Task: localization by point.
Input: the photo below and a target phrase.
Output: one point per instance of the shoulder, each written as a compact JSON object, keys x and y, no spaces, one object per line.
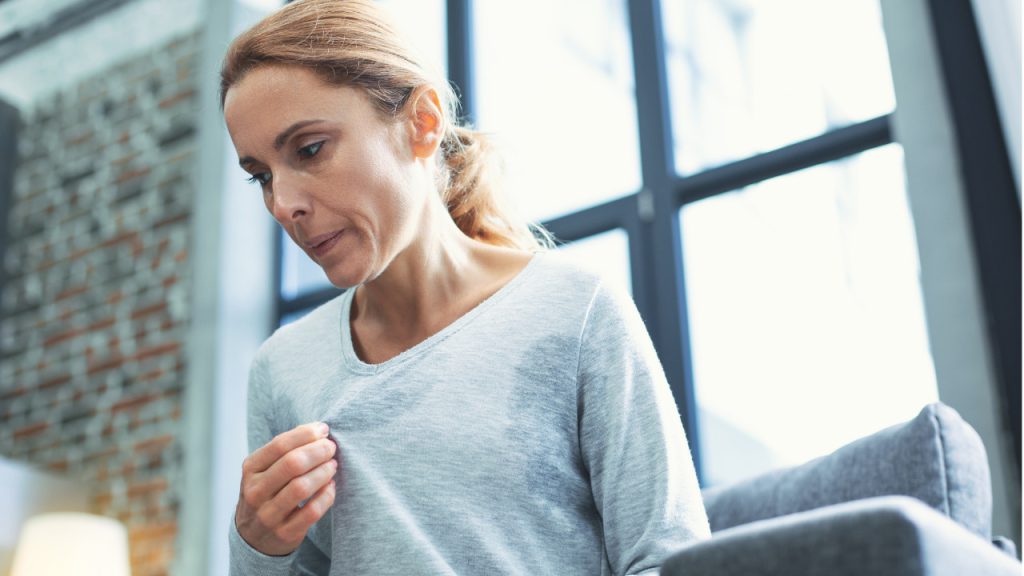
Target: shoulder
{"x":585,"y":284}
{"x":310,"y":334}
{"x":561,"y":292}
{"x":555,"y":272}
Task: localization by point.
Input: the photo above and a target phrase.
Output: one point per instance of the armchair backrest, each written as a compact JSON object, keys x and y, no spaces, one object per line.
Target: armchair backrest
{"x":936,"y":457}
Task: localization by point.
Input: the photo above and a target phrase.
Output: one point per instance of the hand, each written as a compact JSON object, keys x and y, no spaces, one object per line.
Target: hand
{"x":295,"y":466}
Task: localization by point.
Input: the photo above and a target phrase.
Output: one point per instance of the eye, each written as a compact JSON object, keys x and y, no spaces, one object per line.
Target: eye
{"x":261,"y":178}
{"x":309,"y":151}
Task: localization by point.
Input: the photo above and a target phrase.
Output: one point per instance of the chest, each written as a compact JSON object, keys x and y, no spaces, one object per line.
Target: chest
{"x":458,"y":410}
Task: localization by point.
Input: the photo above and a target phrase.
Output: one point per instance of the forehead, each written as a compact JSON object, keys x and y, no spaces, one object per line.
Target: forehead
{"x":272,"y":97}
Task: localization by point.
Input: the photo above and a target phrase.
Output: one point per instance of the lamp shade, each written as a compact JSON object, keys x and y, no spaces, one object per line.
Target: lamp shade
{"x":72,"y":544}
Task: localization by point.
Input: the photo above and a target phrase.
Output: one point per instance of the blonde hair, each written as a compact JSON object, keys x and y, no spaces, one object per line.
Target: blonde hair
{"x":351,"y":43}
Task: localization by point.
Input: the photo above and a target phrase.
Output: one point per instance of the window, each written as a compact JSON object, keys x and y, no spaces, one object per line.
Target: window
{"x":560,"y":105}
{"x":804,"y":316}
{"x":744,"y":80}
{"x":805,"y":313}
{"x":743,"y":186}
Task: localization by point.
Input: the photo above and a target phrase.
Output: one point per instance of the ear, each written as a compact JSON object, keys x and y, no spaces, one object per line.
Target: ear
{"x":426,"y":121}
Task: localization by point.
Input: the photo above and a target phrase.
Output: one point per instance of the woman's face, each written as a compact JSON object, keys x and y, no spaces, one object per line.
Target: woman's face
{"x":341,"y":181}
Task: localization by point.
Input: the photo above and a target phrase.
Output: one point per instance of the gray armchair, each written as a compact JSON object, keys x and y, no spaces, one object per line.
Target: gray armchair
{"x":913,"y":499}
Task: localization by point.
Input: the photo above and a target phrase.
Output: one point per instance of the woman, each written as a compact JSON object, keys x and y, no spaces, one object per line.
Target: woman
{"x":477,"y":406}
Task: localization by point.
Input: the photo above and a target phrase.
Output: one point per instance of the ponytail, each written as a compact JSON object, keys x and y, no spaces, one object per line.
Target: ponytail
{"x":471,"y":192}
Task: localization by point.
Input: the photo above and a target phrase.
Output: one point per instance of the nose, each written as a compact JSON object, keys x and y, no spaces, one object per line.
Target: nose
{"x":290,"y":201}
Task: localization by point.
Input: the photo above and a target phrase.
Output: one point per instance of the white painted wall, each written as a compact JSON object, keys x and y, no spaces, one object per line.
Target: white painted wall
{"x":949,"y":280}
{"x":999,"y":23}
{"x":233,"y":294}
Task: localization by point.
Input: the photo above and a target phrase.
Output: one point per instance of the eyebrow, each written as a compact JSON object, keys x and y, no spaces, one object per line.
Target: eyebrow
{"x":281,"y":138}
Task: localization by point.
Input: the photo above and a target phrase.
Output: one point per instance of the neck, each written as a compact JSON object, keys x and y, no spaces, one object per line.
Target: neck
{"x":419,"y":288}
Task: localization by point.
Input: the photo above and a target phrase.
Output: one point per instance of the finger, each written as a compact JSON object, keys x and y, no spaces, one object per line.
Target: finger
{"x":303,"y":518}
{"x":301,"y":460}
{"x":265,"y":456}
{"x":303,"y":488}
{"x":264,"y":486}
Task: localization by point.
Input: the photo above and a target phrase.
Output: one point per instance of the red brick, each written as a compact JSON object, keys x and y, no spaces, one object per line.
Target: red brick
{"x":159,"y":350}
{"x":115,"y":297}
{"x":102,"y":454}
{"x":170,"y":220}
{"x":80,"y":139}
{"x":103,"y":500}
{"x":101,"y":324}
{"x":65,"y":335}
{"x":53,"y":382}
{"x":13,"y":393}
{"x":127,"y":470}
{"x":70,"y":292}
{"x":137,"y":489}
{"x":154,"y":444}
{"x":124,"y":159}
{"x":134,"y":402}
{"x":120,"y":238}
{"x":30,"y":430}
{"x":115,"y":361}
{"x":153,"y":531}
{"x":131,"y":175}
{"x":150,"y":376}
{"x":78,"y":254}
{"x":146,"y":311}
{"x":58,"y":465}
{"x":172,"y":100}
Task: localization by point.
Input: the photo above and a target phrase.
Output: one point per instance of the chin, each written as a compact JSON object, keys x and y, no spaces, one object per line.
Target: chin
{"x":346,"y":276}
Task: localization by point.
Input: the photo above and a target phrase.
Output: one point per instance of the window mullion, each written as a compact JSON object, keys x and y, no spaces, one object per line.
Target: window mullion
{"x":658,"y":237}
{"x":460,"y":55}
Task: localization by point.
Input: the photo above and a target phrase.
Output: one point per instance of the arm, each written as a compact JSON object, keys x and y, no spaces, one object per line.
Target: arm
{"x":282,"y":451}
{"x":633,"y":443}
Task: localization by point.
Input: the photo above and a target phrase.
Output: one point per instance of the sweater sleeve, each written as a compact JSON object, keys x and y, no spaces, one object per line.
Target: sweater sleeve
{"x":307,"y":559}
{"x":632,"y":441}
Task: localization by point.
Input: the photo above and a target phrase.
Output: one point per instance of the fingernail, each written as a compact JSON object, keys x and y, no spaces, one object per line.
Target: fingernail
{"x":324,"y":429}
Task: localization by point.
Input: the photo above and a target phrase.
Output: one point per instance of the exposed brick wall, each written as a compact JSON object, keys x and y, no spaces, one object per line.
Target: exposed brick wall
{"x":95,"y":309}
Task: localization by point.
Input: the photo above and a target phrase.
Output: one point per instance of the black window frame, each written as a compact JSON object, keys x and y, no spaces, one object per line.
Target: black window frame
{"x":650,"y":216}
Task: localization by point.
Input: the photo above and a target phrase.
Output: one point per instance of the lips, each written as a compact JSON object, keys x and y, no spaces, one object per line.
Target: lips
{"x":321,"y":244}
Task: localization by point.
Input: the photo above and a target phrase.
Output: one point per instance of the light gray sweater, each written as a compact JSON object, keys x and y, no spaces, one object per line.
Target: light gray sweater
{"x":534,"y":435}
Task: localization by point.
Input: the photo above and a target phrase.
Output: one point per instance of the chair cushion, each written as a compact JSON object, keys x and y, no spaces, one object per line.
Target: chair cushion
{"x":936,"y":458}
{"x":887,"y":536}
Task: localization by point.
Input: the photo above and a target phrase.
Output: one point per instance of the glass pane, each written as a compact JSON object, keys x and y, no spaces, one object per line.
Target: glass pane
{"x":754,"y":75}
{"x":555,"y":88}
{"x":423,"y":24}
{"x":807,"y":326}
{"x":607,"y":254}
{"x":299,"y":274}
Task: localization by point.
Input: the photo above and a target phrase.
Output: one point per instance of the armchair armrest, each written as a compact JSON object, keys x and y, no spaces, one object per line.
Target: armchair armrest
{"x":886,"y":536}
